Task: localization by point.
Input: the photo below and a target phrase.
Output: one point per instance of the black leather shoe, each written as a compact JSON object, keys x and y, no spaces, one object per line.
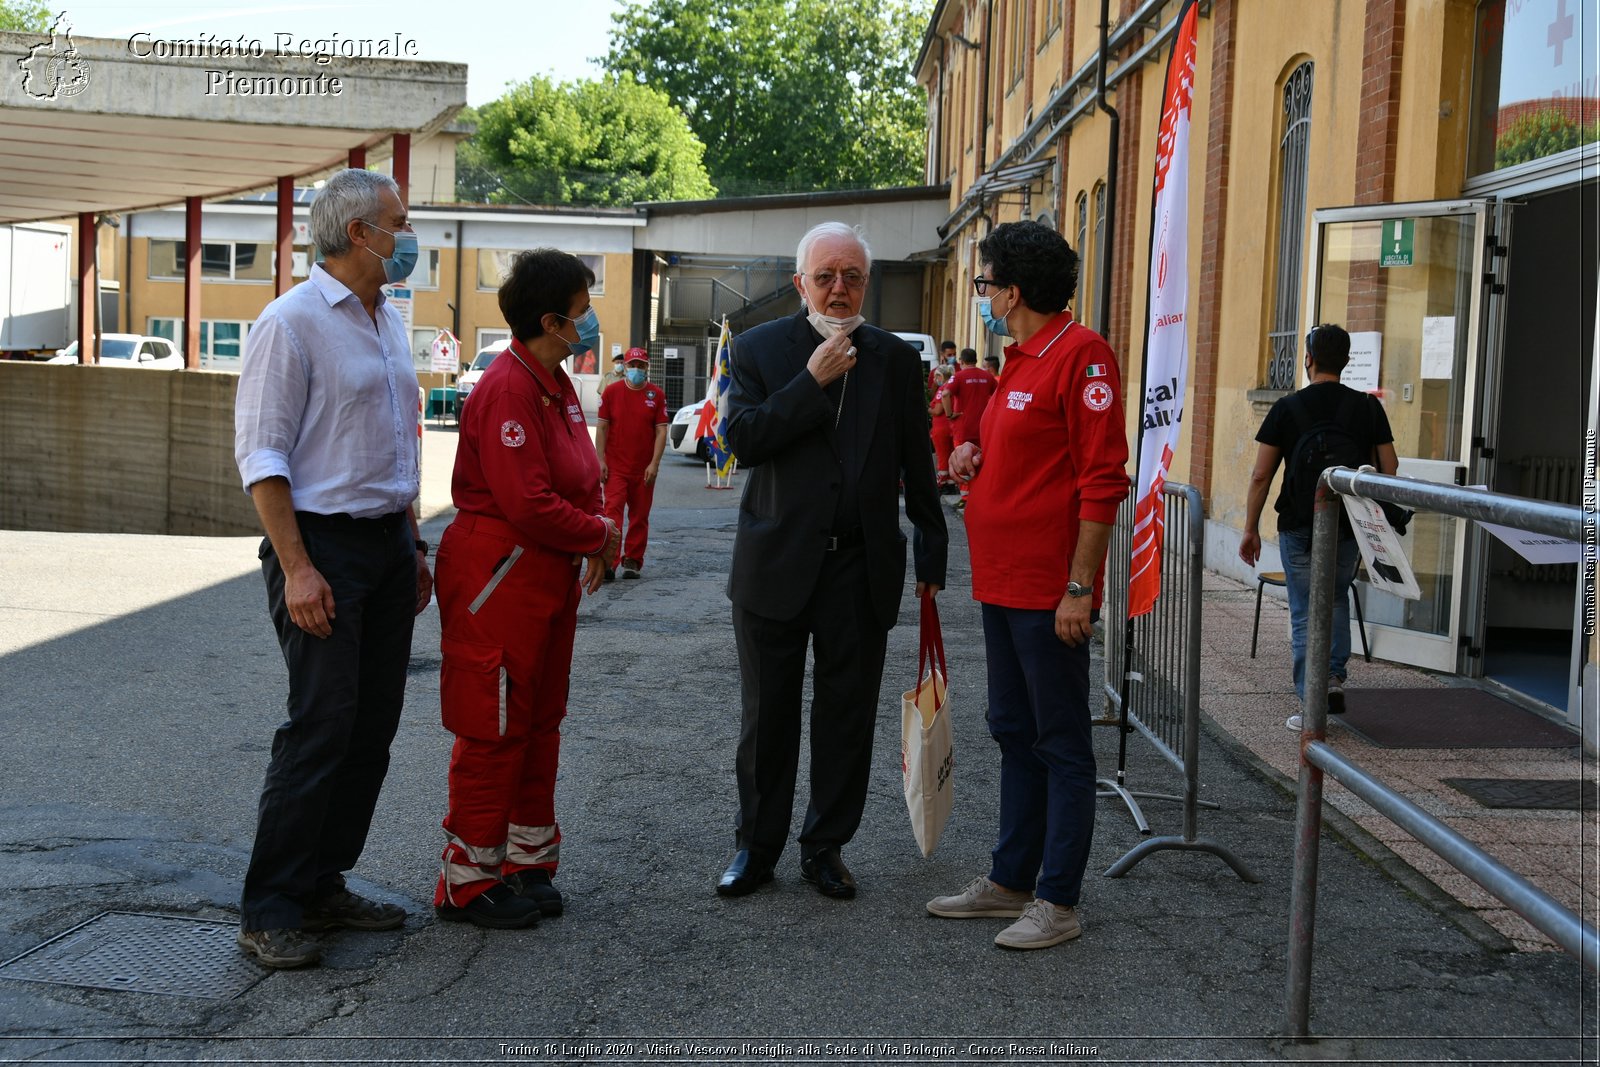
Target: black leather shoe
{"x":826,"y":871}
{"x":534,"y":884}
{"x":745,"y":874}
{"x":496,"y":908}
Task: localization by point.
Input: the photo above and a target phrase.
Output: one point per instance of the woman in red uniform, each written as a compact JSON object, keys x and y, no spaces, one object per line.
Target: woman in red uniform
{"x":943,"y":442}
{"x":527,"y":489}
{"x":1049,"y":460}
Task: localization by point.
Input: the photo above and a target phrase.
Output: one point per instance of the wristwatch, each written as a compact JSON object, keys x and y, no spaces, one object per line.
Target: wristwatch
{"x":1076,"y":590}
{"x":422,"y":546}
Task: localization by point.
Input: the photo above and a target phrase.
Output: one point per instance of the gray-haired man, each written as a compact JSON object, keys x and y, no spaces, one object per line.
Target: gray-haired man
{"x":326,"y":443}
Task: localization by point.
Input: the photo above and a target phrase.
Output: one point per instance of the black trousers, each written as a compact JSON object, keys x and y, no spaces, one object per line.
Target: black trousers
{"x":345,"y":692}
{"x":848,"y":646}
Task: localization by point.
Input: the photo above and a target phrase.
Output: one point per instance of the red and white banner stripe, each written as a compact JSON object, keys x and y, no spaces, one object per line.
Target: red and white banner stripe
{"x":1166,"y":346}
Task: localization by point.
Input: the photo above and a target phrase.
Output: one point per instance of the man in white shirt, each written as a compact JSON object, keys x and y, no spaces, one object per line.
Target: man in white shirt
{"x":326,"y":443}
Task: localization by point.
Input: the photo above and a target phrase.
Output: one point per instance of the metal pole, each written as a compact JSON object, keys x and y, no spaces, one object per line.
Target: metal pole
{"x":1191,"y":683}
{"x":1313,"y":727}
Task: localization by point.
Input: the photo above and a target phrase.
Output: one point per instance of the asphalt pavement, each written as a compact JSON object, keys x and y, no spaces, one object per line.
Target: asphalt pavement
{"x":140,"y":685}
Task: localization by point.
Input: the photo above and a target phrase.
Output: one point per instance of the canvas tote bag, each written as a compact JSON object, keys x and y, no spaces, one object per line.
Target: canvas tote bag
{"x":927,"y":745}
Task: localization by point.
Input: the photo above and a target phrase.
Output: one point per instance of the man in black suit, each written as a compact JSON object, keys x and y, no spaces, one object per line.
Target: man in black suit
{"x":827,"y":415}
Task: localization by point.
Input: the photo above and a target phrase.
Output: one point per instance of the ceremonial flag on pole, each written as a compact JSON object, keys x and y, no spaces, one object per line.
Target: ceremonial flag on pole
{"x":713,"y":423}
{"x":1166,"y":346}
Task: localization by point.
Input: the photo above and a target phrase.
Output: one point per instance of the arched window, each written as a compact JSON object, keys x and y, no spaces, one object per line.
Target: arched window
{"x":1094,"y":268}
{"x":1080,"y":245}
{"x":1293,"y":159}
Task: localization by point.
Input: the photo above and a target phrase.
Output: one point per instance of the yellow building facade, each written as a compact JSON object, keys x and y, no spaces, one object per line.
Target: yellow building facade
{"x":1420,"y":171}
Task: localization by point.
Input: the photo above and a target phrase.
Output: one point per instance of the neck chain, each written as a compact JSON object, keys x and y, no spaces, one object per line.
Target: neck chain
{"x":844,"y":385}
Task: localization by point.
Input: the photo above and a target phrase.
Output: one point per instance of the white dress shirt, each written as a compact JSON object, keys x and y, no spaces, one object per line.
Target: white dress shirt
{"x":328,"y":399}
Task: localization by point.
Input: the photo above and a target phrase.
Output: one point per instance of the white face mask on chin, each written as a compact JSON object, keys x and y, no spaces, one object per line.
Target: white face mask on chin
{"x":828,"y":326}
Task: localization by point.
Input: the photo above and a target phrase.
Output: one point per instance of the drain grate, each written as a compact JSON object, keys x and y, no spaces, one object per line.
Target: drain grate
{"x":174,"y":955}
{"x":1560,"y":794}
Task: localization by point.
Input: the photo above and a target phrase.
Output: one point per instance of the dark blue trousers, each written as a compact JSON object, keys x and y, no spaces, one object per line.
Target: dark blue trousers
{"x":1039,"y":715}
{"x":345,"y":691}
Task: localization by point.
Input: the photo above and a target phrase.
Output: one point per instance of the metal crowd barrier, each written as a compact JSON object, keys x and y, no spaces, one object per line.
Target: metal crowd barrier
{"x":1541,"y":910}
{"x":1164,"y":693}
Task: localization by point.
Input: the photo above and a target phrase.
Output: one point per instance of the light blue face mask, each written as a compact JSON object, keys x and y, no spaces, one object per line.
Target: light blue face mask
{"x":637,"y":377}
{"x":398,"y":266}
{"x":588,"y":325}
{"x":994,"y":325}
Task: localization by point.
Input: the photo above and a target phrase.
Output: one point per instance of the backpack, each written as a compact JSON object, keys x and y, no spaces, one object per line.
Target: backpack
{"x":1322,"y":444}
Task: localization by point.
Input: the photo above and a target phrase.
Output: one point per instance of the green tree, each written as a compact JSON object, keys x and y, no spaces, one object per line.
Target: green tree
{"x":24,"y":16}
{"x":786,"y":94}
{"x":601,"y":142}
{"x":1543,"y":133}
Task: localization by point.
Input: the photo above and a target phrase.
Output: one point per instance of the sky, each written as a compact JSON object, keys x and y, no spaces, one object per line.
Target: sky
{"x":500,"y":40}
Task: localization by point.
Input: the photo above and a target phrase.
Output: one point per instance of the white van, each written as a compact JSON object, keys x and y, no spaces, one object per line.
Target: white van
{"x":925,"y":346}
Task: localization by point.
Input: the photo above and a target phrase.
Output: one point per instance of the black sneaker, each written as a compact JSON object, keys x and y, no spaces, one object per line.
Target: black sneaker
{"x":534,"y":884}
{"x":496,"y":908}
{"x":279,"y":949}
{"x":1335,"y":697}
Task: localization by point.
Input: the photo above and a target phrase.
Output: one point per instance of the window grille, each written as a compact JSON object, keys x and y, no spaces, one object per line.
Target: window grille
{"x":1294,"y":155}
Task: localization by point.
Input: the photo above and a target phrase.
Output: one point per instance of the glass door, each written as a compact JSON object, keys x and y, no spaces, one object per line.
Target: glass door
{"x":1406,"y":280}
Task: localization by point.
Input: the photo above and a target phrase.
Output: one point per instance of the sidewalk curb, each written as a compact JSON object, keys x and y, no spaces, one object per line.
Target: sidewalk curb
{"x":1368,"y":847}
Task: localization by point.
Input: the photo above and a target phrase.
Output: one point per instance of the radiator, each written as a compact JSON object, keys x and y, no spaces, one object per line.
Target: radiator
{"x":1558,"y":479}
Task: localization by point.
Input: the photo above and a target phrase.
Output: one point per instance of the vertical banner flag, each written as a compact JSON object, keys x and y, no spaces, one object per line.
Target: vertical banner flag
{"x":713,"y":422}
{"x":1166,"y":345}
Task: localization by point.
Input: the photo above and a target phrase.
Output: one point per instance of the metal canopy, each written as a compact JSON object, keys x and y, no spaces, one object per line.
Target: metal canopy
{"x":87,"y":125}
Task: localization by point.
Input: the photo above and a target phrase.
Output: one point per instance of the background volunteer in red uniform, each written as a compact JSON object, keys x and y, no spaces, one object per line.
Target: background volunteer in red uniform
{"x":1045,"y":489}
{"x":967,"y":396}
{"x":527,"y":490}
{"x":631,"y":437}
{"x":940,"y":431}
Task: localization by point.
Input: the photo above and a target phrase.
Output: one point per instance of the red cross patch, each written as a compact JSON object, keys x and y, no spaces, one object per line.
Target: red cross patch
{"x":512,"y":435}
{"x":1097,"y":396}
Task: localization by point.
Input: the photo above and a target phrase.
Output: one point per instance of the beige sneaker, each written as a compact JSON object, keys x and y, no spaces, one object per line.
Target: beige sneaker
{"x":1043,"y":924}
{"x":981,"y":899}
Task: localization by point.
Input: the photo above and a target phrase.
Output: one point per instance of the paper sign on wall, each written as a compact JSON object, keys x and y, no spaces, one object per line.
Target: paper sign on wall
{"x":1366,"y":360}
{"x":1439,"y":346}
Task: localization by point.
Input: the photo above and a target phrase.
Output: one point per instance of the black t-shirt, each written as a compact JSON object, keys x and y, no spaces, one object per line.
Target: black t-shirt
{"x":1320,"y":402}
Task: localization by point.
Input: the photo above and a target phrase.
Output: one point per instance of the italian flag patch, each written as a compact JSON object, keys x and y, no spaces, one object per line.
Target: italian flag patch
{"x":1095,"y":370}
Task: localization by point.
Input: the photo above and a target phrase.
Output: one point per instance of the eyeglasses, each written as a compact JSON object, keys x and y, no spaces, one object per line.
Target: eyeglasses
{"x":982,"y":285}
{"x":825,"y":279}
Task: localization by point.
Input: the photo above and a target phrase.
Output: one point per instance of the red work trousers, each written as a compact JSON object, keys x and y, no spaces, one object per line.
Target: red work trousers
{"x":943,"y":444}
{"x":508,"y":609}
{"x":637,"y":494}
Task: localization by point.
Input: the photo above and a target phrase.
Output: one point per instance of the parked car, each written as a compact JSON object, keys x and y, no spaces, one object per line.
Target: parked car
{"x":681,"y":433}
{"x":925,"y":346}
{"x":480,"y":363}
{"x":130,"y":350}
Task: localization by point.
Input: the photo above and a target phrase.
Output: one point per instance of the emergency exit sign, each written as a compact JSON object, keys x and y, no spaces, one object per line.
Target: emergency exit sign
{"x":1398,"y":237}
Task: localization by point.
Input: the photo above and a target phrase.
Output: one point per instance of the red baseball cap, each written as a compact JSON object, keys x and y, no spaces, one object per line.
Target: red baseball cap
{"x":637,"y":355}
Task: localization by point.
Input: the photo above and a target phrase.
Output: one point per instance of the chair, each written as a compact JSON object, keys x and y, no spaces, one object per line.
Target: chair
{"x":1266,"y":578}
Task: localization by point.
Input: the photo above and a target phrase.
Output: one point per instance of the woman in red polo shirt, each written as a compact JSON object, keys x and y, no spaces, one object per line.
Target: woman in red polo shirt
{"x":1044,"y":491}
{"x":527,"y":491}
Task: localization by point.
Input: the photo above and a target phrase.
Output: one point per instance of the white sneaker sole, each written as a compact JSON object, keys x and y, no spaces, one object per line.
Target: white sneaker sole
{"x":1048,"y":942}
{"x":996,"y":912}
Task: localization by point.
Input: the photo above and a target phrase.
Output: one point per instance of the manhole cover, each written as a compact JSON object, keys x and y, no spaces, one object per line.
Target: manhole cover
{"x":173,"y":955}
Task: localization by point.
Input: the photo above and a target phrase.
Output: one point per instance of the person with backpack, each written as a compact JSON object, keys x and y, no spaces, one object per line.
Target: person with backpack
{"x":1324,"y":425}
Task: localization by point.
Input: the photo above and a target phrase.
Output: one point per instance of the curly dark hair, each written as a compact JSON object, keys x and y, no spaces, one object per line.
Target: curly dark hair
{"x":1035,"y":259}
{"x":541,"y":281}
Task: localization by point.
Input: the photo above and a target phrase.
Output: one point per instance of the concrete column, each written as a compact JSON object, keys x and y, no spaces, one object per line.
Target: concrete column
{"x":191,"y":283}
{"x":88,"y":287}
{"x":402,"y":166}
{"x":358,"y":159}
{"x":284,"y":277}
